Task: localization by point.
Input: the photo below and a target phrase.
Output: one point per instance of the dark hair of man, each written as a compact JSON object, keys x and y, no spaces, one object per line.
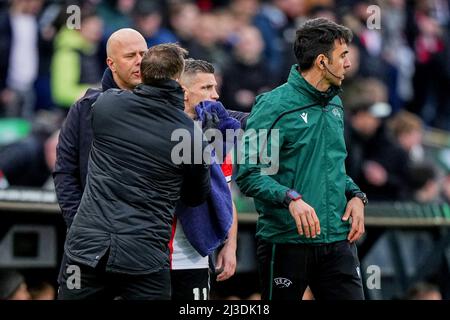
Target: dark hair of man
{"x":420,"y":289}
{"x":194,"y":66}
{"x":316,"y":37}
{"x":162,"y":62}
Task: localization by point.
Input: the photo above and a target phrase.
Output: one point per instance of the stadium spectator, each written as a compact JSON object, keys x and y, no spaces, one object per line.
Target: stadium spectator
{"x":19,"y":57}
{"x":446,"y":179}
{"x":116,"y":14}
{"x":246,"y":76}
{"x":148,"y":18}
{"x":205,"y":45}
{"x":369,"y":41}
{"x":75,"y":64}
{"x":254,"y":13}
{"x":429,"y":38}
{"x":407,"y":129}
{"x":183,"y":18}
{"x":29,"y":162}
{"x":287,"y":16}
{"x":424,"y":183}
{"x":375,"y":161}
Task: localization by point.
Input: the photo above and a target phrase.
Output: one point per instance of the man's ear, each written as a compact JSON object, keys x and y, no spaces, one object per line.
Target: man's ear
{"x":111,"y":64}
{"x":320,"y":61}
{"x":186,"y":93}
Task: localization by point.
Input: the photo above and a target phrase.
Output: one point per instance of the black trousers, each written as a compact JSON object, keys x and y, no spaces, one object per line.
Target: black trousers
{"x":79,"y":282}
{"x":190,"y":284}
{"x":332,"y":271}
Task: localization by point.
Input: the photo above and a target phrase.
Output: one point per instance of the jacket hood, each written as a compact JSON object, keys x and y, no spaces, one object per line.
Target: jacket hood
{"x":169,"y":90}
{"x":108,"y":80}
{"x":72,"y":39}
{"x":300,"y":84}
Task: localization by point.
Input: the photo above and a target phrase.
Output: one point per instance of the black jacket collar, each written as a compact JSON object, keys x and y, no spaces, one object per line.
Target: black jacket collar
{"x":108,"y":80}
{"x":300,"y":84}
{"x":169,"y":90}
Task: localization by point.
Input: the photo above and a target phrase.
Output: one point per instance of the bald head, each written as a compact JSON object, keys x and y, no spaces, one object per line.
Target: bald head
{"x":121,"y":38}
{"x":125,"y":49}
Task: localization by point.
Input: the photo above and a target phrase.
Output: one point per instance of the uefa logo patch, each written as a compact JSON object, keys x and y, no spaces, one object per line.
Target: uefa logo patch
{"x":282,"y":282}
{"x":337,"y":113}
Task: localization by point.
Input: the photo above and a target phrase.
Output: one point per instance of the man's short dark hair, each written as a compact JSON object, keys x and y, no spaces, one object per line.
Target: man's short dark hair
{"x":10,"y":281}
{"x":162,"y":62}
{"x":316,"y":37}
{"x":194,"y":66}
{"x":420,"y":289}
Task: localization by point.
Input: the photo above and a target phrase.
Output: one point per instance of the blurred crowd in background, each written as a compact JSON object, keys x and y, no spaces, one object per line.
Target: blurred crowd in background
{"x":397,"y":89}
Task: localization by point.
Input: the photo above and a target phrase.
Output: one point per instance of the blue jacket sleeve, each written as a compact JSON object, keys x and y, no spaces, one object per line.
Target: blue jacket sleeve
{"x":240,"y":116}
{"x":67,"y":169}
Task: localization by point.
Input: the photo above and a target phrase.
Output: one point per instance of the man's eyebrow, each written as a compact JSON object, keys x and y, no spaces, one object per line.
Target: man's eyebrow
{"x":129,"y":53}
{"x":345,"y":52}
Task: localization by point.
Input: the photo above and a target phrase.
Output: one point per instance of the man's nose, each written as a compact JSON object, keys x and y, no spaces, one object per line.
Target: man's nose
{"x":215,"y":95}
{"x":347,"y":64}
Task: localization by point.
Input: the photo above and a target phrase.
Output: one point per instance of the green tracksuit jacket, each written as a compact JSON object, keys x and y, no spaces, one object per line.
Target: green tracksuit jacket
{"x":311,"y":160}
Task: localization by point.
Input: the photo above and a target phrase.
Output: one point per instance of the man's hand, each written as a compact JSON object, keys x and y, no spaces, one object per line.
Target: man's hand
{"x":355,"y":209}
{"x":305,"y":218}
{"x":7,"y":96}
{"x":211,"y":120}
{"x":375,"y":173}
{"x":226,"y":260}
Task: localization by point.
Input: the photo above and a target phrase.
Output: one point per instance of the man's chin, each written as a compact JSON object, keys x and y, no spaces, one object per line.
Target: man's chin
{"x":136,"y":82}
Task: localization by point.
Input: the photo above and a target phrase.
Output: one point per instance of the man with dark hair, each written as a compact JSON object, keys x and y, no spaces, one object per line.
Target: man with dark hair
{"x":165,"y":61}
{"x":304,"y":234}
{"x":119,"y":239}
{"x":199,"y":83}
{"x":320,"y":37}
{"x":199,"y":80}
{"x":189,"y":267}
{"x":13,"y":286}
{"x":423,"y":291}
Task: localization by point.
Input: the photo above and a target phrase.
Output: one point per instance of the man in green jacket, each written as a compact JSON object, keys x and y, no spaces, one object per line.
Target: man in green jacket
{"x":310,"y":212}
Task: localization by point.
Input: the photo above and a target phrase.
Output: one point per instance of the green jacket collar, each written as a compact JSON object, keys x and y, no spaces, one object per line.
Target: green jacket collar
{"x":300,"y":84}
